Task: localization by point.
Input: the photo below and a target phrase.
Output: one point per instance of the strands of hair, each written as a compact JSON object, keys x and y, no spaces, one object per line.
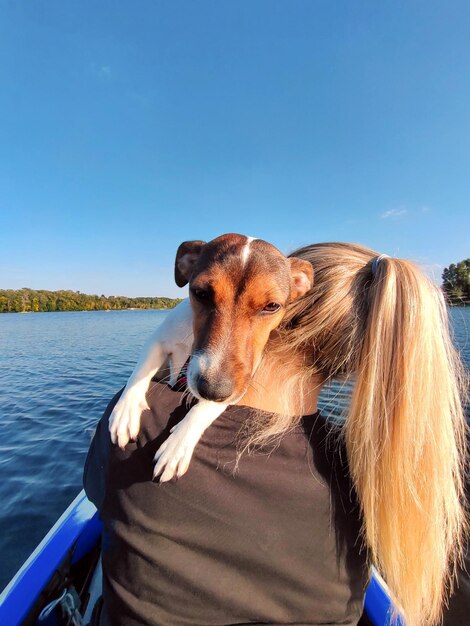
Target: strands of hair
{"x":405,"y":429}
{"x":263,"y":432}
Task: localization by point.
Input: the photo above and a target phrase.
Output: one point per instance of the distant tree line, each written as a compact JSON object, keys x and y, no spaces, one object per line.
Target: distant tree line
{"x":30,"y":300}
{"x":456,"y":283}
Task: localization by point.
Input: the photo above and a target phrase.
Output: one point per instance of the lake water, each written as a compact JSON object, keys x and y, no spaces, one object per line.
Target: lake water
{"x":57,"y":373}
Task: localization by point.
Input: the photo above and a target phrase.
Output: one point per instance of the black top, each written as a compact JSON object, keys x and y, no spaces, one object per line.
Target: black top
{"x":274,"y":541}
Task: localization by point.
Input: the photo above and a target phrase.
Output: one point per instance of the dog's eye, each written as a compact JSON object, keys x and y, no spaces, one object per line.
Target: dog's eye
{"x":201,"y":295}
{"x":272,"y":307}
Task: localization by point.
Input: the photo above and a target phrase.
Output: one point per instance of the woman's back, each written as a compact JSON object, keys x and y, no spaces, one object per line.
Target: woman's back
{"x":275,"y":542}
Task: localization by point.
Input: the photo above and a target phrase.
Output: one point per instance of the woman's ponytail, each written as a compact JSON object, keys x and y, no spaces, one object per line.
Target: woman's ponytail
{"x":381,"y":322}
{"x":405,"y":436}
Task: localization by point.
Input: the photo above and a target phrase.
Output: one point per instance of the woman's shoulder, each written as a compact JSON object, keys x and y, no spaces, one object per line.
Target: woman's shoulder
{"x":315,"y":443}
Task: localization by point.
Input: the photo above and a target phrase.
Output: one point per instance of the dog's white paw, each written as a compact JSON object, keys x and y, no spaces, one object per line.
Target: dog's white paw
{"x":174,"y":455}
{"x":124,"y":421}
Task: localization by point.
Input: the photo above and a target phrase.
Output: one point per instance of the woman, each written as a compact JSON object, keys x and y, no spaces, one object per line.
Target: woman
{"x":285,"y":535}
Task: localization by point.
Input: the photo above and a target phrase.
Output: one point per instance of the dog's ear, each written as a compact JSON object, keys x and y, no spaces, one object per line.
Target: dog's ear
{"x":301,"y":277}
{"x":186,"y":256}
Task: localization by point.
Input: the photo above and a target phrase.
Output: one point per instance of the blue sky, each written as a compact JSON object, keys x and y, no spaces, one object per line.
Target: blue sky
{"x":128,"y":127}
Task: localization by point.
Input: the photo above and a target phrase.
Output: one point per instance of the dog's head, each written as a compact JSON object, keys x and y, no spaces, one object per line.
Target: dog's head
{"x":239,"y":288}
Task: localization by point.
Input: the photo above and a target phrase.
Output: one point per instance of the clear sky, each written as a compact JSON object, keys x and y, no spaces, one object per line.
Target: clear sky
{"x":129,"y":126}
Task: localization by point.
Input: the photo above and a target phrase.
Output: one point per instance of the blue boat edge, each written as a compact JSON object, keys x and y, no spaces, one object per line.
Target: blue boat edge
{"x":78,"y":529}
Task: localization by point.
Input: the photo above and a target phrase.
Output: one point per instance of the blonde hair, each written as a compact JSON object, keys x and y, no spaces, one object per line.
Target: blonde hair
{"x":405,"y":428}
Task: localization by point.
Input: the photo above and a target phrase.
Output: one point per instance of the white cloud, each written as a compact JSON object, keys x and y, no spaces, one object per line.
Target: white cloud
{"x":102,"y":71}
{"x":392,"y":213}
{"x":139,"y":99}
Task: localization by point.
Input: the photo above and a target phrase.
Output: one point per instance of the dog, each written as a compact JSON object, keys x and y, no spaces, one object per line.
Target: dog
{"x":239,"y":288}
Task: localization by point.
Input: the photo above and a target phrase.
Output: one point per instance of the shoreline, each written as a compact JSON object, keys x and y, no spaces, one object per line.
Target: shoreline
{"x":92,"y":310}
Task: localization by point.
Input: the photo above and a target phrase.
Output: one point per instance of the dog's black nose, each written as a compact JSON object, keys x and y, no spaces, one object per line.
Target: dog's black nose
{"x":217,"y":390}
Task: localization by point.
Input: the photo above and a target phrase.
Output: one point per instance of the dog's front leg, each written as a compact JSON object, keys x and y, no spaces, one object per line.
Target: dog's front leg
{"x":174,"y":455}
{"x":124,"y":422}
{"x":173,"y":336}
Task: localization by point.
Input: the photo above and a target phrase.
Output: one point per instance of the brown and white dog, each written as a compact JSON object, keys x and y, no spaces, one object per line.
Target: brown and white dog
{"x":239,"y":288}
